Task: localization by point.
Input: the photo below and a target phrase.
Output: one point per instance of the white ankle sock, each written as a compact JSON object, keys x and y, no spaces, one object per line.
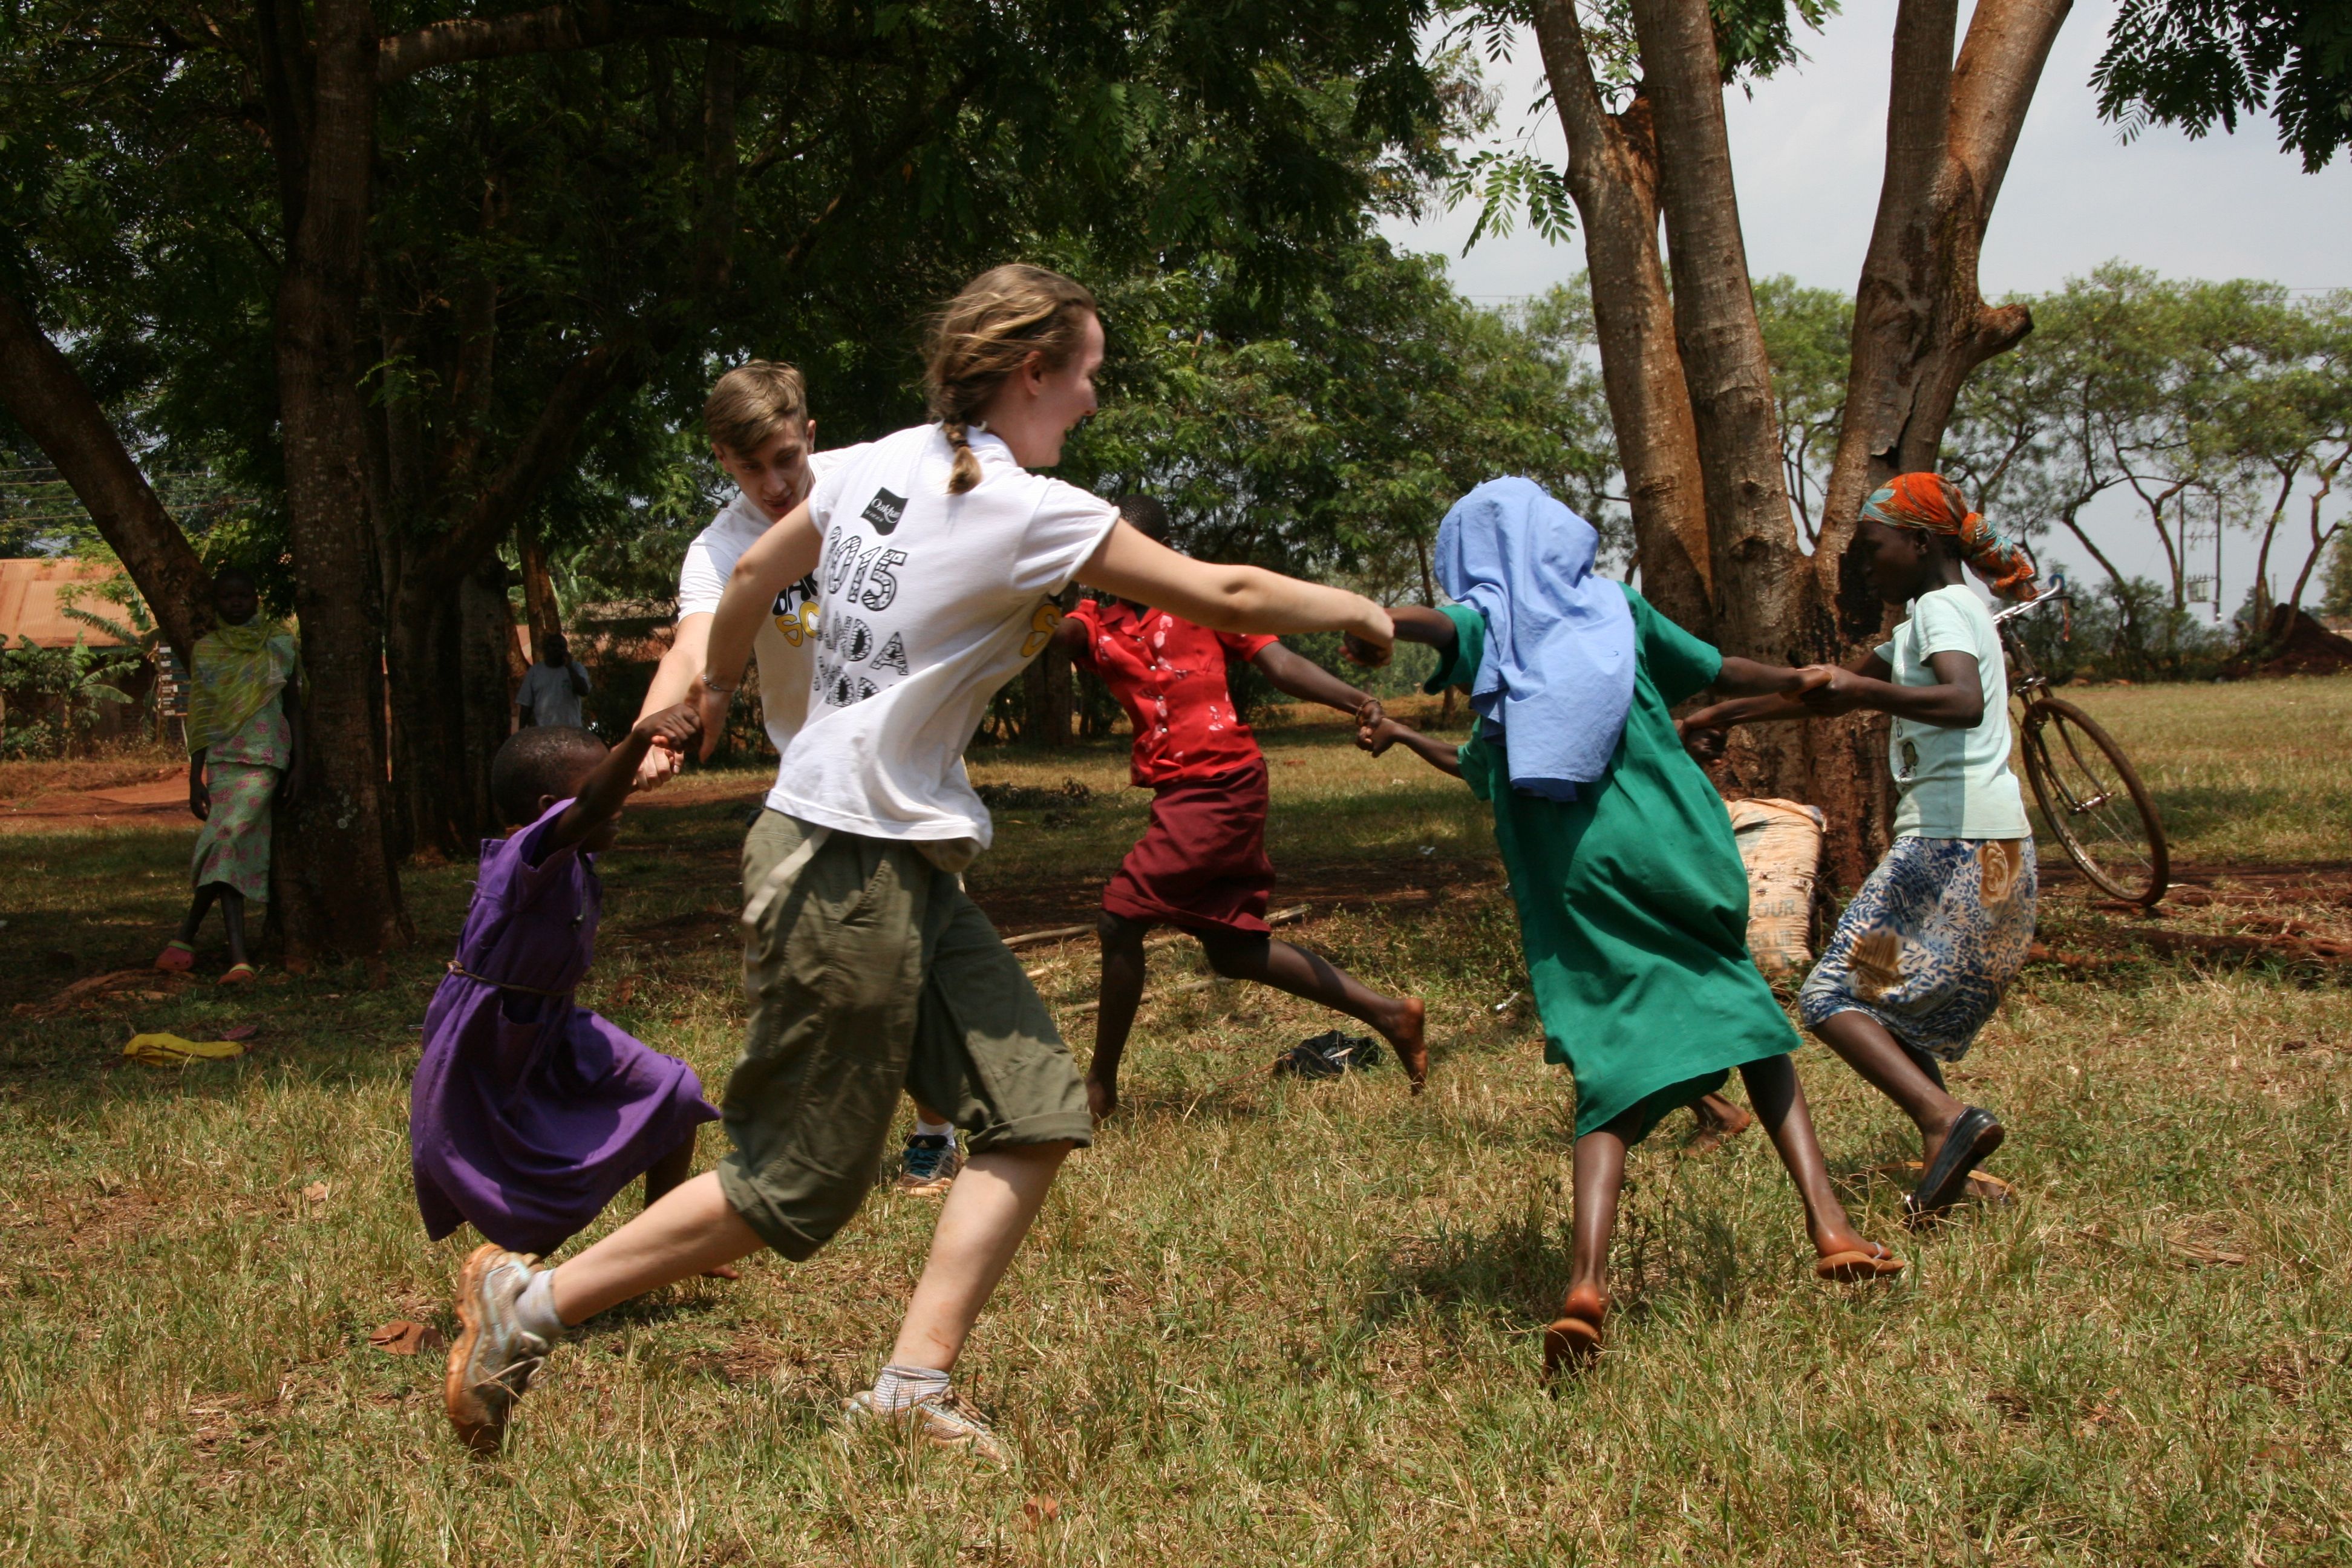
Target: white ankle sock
{"x":535,"y":1308}
{"x":935,"y":1130}
{"x":896,"y":1386}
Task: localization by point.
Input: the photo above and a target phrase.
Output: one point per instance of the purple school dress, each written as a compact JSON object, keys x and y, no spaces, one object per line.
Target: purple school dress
{"x":529,"y":1113}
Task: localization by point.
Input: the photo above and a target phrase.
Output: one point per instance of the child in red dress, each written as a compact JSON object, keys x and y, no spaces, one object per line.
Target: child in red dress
{"x":1202,"y":865}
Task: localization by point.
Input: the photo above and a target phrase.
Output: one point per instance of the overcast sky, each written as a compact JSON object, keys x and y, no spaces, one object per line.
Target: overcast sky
{"x":1809,"y":147}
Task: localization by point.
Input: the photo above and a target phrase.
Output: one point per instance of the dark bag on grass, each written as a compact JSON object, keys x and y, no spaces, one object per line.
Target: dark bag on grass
{"x":1328,"y":1056}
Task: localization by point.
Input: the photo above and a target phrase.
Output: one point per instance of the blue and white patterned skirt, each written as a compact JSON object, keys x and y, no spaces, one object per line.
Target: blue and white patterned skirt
{"x":1930,"y":942}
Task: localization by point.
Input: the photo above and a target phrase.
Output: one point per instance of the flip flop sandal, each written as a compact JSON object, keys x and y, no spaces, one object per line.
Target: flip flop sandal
{"x":177,"y":957}
{"x":238,"y":974}
{"x":1975,"y":1135}
{"x":1983,"y":1186}
{"x":1852,"y":1268}
{"x":1570,"y":1345}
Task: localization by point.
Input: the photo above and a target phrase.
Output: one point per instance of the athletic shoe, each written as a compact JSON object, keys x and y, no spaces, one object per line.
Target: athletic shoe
{"x":492,"y":1362}
{"x":929,"y":1165}
{"x":947,"y":1420}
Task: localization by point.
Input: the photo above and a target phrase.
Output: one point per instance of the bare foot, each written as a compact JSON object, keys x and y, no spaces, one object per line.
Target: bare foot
{"x":1719,"y":1122}
{"x":723,"y":1271}
{"x":1574,"y":1337}
{"x":1410,"y":1039}
{"x":1102,"y":1097}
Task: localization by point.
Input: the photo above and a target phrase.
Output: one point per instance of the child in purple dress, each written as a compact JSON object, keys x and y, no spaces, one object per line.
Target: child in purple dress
{"x":529,"y":1114}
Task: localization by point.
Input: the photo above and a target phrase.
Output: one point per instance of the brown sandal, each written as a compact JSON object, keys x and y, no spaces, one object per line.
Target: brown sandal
{"x":1852,"y":1268}
{"x":1570,"y":1345}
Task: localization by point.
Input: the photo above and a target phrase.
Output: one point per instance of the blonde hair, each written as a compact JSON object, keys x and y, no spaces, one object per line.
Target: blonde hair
{"x":755,"y":402}
{"x":985,"y":334}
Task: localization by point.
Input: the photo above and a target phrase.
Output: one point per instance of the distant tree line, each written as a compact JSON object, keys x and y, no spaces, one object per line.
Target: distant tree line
{"x":2202,"y":407}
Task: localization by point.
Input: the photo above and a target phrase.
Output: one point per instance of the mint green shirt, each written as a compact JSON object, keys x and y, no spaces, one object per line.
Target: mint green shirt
{"x":1955,"y":783}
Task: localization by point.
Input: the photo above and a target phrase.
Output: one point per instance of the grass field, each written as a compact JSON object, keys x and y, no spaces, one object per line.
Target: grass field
{"x":1259,"y":1321}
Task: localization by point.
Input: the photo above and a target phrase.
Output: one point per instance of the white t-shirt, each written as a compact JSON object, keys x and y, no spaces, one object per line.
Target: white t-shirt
{"x":550,"y":694}
{"x":930,"y":603}
{"x":1955,"y":783}
{"x":785,"y":648}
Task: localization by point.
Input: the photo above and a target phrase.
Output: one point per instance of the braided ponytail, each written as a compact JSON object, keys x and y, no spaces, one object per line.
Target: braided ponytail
{"x":985,"y":334}
{"x":966,"y":472}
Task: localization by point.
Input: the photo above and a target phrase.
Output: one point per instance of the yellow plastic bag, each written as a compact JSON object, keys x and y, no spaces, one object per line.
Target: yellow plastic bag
{"x":171,"y":1051}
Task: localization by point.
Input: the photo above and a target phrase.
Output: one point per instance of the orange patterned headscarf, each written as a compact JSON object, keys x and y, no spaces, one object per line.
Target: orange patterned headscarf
{"x":1933,"y":502}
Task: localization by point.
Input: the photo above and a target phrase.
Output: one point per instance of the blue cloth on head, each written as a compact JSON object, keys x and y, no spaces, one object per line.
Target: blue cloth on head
{"x":1557,"y":677}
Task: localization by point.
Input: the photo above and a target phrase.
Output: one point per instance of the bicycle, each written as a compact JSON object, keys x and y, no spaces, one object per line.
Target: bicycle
{"x":2091,"y":796}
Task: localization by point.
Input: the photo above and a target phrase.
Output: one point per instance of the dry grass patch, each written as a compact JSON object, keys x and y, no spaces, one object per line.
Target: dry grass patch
{"x":1260,"y":1321}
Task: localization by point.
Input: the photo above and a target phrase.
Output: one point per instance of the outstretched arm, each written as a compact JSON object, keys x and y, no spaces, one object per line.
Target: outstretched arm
{"x":1415,"y":623}
{"x":1228,"y":598}
{"x":1379,"y":736}
{"x":1955,"y":703}
{"x":1767,"y":692}
{"x":607,"y":786}
{"x":1296,"y":676}
{"x":777,"y":559}
{"x":673,"y":683}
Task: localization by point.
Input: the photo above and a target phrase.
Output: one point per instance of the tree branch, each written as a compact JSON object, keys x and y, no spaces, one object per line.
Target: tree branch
{"x":40,"y":388}
{"x":536,"y":459}
{"x":593,"y":23}
{"x":1999,"y":66}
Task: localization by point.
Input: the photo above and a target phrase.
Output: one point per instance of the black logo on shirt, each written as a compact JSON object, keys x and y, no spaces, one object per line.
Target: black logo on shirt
{"x":884,"y":512}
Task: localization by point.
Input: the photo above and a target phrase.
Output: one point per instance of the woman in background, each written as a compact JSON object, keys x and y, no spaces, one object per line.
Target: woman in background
{"x":245,"y":748}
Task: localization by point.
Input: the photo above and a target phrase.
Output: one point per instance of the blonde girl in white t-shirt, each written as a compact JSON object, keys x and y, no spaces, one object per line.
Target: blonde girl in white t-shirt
{"x":1922,"y":955}
{"x":939,"y":555}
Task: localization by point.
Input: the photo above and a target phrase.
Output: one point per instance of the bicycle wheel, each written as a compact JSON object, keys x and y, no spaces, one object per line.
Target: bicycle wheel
{"x":2093,"y":802}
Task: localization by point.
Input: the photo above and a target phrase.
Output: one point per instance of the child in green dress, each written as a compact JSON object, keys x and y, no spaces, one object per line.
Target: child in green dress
{"x":1632,"y":898}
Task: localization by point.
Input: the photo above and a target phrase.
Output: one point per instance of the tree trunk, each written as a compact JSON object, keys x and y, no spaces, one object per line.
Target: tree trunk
{"x":43,"y":392}
{"x":546,"y":617}
{"x":1920,"y":327}
{"x":1613,"y":176}
{"x":485,"y":627}
{"x":1762,"y":582}
{"x":339,"y":890}
{"x":2319,"y":541}
{"x":1920,"y":324}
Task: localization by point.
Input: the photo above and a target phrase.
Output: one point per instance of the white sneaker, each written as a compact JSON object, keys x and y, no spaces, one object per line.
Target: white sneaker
{"x":494,"y":1357}
{"x":947,"y":1420}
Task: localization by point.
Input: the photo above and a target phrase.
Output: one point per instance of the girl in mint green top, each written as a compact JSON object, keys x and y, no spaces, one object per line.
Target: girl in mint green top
{"x":1930,"y":942}
{"x":1633,"y":903}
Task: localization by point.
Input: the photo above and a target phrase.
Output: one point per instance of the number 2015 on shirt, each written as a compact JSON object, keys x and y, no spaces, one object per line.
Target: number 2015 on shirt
{"x":871,"y":573}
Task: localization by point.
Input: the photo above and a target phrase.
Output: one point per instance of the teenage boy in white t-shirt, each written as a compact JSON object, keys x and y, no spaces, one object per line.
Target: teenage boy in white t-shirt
{"x":761,"y":433}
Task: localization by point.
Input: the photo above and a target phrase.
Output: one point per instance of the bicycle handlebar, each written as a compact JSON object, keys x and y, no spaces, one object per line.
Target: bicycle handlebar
{"x":2014,"y":611}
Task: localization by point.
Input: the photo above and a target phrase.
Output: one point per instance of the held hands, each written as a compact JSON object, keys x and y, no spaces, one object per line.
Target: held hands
{"x":1371,"y":716}
{"x":1829,"y":690}
{"x":657,"y":767}
{"x":1379,"y":734}
{"x":1371,"y":643}
{"x":666,"y":733}
{"x":1704,"y":742}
